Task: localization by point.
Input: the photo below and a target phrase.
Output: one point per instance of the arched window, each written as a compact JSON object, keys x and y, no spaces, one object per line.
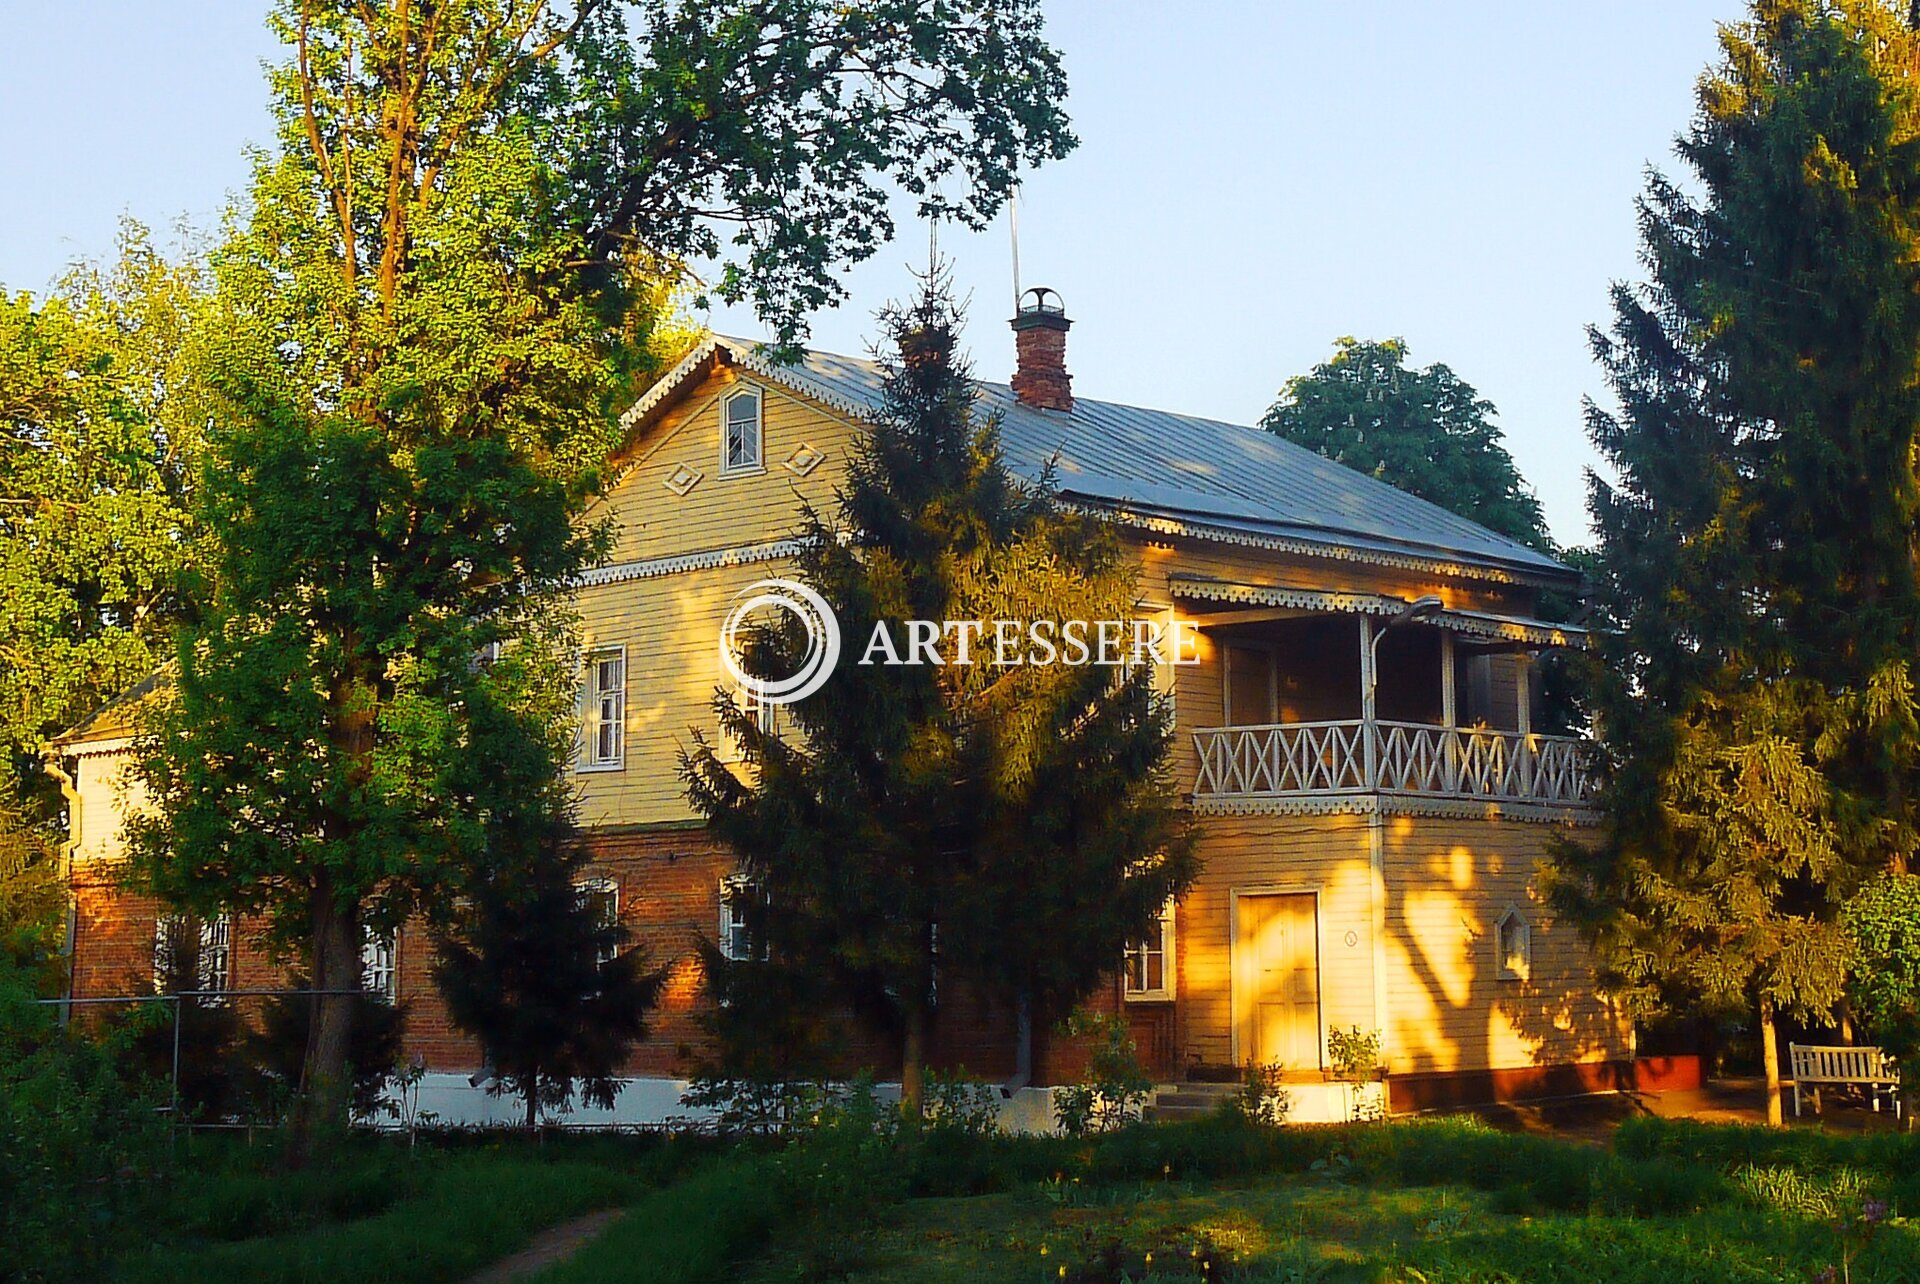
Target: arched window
{"x":740,"y":433}
{"x":1513,"y":945}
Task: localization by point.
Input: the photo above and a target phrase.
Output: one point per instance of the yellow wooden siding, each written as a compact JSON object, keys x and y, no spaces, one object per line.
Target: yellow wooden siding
{"x":670,"y":624}
{"x":652,"y":521}
{"x":1448,"y":881}
{"x":1250,"y":854}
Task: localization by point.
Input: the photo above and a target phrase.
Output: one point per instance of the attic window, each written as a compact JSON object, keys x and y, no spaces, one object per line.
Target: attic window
{"x":1513,"y":946}
{"x":740,"y":434}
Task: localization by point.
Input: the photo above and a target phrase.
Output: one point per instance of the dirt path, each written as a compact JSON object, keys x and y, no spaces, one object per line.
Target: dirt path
{"x":549,"y":1248}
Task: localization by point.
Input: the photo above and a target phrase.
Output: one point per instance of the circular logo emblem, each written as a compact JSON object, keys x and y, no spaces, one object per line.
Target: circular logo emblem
{"x":815,"y":616}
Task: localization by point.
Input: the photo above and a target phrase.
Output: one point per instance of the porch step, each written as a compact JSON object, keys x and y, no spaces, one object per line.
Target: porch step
{"x":1190,"y":1100}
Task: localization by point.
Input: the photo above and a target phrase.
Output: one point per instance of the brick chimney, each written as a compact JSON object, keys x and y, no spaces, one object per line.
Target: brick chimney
{"x":1040,"y":377}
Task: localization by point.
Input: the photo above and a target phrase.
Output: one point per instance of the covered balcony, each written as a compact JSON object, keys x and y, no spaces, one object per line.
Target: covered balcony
{"x":1318,"y":695}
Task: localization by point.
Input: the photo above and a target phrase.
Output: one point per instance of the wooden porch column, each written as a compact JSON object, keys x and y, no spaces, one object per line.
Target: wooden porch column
{"x":1523,"y":684}
{"x":1449,"y":716}
{"x":1368,"y":680}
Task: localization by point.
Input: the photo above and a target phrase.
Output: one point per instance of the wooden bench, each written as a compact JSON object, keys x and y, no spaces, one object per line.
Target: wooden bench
{"x":1870,"y":1068}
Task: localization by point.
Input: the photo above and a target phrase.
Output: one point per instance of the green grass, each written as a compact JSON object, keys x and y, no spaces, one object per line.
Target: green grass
{"x":691,"y":1230}
{"x":1438,"y":1199}
{"x":1291,"y":1228}
{"x":375,"y":1211}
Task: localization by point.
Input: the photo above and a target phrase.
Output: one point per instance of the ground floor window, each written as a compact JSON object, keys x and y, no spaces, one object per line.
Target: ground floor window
{"x":192,"y":953}
{"x":603,"y":894}
{"x":736,"y":938}
{"x":1149,"y":961}
{"x":377,"y":974}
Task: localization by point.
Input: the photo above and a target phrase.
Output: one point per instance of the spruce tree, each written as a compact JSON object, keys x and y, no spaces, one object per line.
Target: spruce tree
{"x":534,"y":965}
{"x":917,"y":826}
{"x":1754,"y":691}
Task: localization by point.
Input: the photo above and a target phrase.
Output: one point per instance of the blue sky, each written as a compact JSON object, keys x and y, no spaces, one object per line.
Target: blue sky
{"x":1254,"y":180}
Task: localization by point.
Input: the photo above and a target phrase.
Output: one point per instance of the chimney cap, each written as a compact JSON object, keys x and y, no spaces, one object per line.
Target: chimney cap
{"x":1041,"y":306}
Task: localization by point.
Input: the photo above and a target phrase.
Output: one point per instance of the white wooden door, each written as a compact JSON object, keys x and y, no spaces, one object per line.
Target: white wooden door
{"x":1279,"y":977}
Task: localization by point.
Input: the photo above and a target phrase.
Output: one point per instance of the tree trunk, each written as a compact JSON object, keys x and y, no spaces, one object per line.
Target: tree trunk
{"x":1770,"y":1059}
{"x":533,"y":1105}
{"x":324,"y":1090}
{"x":913,"y":1063}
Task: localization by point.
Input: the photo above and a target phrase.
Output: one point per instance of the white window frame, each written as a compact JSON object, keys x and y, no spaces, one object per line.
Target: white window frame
{"x":733,"y":926}
{"x":1141,"y":951}
{"x":214,"y":962}
{"x":380,"y":963}
{"x":609,"y":888}
{"x":758,"y":463}
{"x":765,"y":716}
{"x":594,"y":712}
{"x":1513,"y":965}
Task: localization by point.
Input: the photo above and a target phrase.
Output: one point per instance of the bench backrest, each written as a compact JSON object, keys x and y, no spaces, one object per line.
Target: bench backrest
{"x":1839,"y":1065}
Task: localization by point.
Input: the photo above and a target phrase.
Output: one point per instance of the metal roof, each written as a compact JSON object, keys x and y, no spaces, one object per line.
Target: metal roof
{"x":1199,"y":475}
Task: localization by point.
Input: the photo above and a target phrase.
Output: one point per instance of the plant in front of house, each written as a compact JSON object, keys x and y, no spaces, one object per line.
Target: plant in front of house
{"x":1356,"y":1064}
{"x":1261,"y":1099}
{"x":1114,"y":1086}
{"x":543,"y":973}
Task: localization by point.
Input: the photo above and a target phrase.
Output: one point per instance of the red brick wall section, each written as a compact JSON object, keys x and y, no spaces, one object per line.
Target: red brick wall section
{"x":669,"y":884}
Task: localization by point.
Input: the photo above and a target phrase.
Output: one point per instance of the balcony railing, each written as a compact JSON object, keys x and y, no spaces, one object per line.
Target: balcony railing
{"x":1316,"y":759}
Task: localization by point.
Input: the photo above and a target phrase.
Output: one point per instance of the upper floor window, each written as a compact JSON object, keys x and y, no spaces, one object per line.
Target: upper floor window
{"x":740,"y":433}
{"x":1149,"y":961}
{"x":190,"y":953}
{"x":377,"y":973}
{"x":606,"y":710}
{"x":602,"y":895}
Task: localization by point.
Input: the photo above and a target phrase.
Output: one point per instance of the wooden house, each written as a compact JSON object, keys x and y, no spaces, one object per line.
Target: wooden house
{"x":1359,"y":738}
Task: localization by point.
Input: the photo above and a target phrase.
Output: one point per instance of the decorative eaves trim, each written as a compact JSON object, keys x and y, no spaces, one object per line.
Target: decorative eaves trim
{"x":1397,"y":805}
{"x":651,"y":568}
{"x":1331,"y":550}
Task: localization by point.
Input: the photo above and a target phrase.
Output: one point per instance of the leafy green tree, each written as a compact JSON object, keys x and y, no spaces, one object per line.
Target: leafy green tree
{"x":925,"y":825}
{"x":1425,"y":431}
{"x":1754,"y":689}
{"x":436,"y":301}
{"x":543,"y":973}
{"x":98,"y":448}
{"x":1883,"y":990}
{"x":32,"y":902}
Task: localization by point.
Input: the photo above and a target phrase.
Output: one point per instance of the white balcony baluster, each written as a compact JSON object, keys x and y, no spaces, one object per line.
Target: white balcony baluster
{"x":1308,"y":759}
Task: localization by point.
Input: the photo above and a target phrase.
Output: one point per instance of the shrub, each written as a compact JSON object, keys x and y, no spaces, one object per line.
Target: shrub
{"x":1261,"y":1099}
{"x":80,"y":1147}
{"x":1114,"y":1087}
{"x":1356,"y":1063}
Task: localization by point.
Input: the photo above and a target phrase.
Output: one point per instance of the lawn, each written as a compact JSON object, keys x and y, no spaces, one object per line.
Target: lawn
{"x":1212,"y":1200}
{"x":376,"y":1210}
{"x":1294,"y":1229}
